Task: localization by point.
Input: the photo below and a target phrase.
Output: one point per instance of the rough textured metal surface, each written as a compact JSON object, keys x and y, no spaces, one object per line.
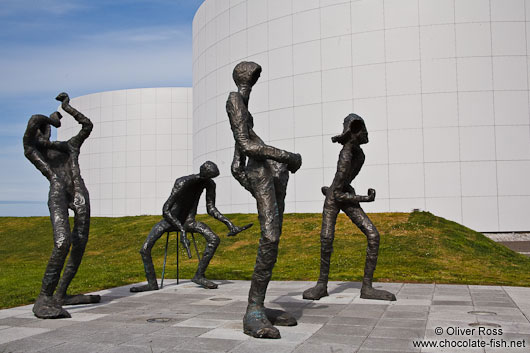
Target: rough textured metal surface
{"x":179,"y":213}
{"x":341,"y":196}
{"x":58,"y":161}
{"x":263,"y":170}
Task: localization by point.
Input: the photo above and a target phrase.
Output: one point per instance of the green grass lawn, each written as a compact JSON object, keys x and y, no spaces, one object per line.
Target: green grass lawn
{"x":417,"y":247}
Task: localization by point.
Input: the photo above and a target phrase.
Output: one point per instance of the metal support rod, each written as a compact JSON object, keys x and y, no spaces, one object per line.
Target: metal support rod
{"x":177,"y":257}
{"x":165,"y":258}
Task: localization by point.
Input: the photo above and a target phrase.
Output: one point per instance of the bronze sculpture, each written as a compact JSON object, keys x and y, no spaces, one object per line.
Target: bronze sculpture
{"x":341,"y":196}
{"x":58,"y":161}
{"x":265,"y":176}
{"x":179,"y":214}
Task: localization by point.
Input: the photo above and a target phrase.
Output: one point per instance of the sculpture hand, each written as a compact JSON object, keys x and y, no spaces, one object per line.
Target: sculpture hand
{"x":236,"y":230}
{"x":295,"y":162}
{"x":185,"y":242}
{"x":63,"y":98}
{"x":371,"y":195}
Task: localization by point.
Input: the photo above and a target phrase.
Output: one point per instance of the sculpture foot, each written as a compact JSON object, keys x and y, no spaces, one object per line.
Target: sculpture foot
{"x":280,"y":317}
{"x":49,"y":308}
{"x":317,"y":292}
{"x":256,"y":324}
{"x":80,"y":299}
{"x":144,"y":288}
{"x":377,"y":294}
{"x":203,"y":282}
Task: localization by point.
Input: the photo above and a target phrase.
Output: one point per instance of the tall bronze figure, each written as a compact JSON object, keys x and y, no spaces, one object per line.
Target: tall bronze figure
{"x":265,"y":176}
{"x":179,"y":214}
{"x":341,"y":196}
{"x":58,"y":161}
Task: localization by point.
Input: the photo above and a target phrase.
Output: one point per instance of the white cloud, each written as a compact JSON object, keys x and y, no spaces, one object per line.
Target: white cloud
{"x":43,"y":7}
{"x":97,"y":65}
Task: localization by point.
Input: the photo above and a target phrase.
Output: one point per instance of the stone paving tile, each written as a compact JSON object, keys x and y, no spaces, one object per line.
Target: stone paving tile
{"x":159,"y":341}
{"x":77,"y":347}
{"x":361,"y":331}
{"x":352,"y":341}
{"x":452,"y":302}
{"x":198,"y":344}
{"x":28,"y":345}
{"x":17,"y":321}
{"x":407,"y":323}
{"x":16,"y":333}
{"x":396,"y":344}
{"x":409,"y":308}
{"x":134,"y":349}
{"x":340,"y":321}
{"x":203,"y":323}
{"x":268,"y":346}
{"x":397,"y":332}
{"x":175,"y":331}
{"x":324,"y":348}
{"x":309,"y":319}
{"x":352,"y":321}
{"x":365,"y":350}
{"x":405,"y":315}
{"x":412,"y":302}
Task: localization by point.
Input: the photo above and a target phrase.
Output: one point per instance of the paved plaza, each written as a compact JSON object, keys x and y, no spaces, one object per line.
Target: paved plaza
{"x":186,"y":318}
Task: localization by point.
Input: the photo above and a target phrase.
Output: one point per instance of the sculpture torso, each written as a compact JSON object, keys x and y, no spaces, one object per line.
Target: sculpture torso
{"x":351,"y":160}
{"x":189,"y":190}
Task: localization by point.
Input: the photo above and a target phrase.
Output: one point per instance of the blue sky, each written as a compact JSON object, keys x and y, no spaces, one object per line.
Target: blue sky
{"x":80,"y":47}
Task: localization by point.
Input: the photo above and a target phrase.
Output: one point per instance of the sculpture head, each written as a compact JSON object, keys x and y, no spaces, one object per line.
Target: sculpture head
{"x":245,"y":75}
{"x":55,"y":119}
{"x":354,"y":130}
{"x":209,"y":170}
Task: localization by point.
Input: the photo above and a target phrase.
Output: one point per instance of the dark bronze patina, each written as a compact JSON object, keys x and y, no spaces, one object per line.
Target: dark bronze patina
{"x":179,"y":214}
{"x":263,"y":170}
{"x":58,"y":161}
{"x":340,"y":196}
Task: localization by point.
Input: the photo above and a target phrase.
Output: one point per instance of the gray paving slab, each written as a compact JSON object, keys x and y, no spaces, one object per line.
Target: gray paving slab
{"x":192,"y":319}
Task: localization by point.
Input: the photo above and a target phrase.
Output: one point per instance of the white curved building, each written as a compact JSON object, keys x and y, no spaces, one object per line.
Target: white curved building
{"x":442,"y":85}
{"x":141,"y":142}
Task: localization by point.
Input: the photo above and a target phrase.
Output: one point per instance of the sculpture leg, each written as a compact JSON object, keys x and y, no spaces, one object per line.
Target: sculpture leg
{"x":80,"y":232}
{"x":255,"y":322}
{"x":361,"y":220}
{"x":156,"y":232}
{"x":212,"y":242}
{"x":327,"y":235}
{"x":46,"y":306}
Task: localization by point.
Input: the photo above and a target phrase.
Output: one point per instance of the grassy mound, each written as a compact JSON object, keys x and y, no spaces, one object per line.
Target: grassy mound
{"x":416,"y":247}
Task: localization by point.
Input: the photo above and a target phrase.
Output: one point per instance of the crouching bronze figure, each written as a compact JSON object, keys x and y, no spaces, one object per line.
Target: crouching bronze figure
{"x":179,"y":214}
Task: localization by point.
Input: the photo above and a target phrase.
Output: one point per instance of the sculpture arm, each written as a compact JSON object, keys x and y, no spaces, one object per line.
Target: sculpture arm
{"x":349,"y":197}
{"x":238,"y":112}
{"x":342,"y":181}
{"x":238,"y":169}
{"x":86,"y":124}
{"x":31,"y":140}
{"x":212,"y":210}
{"x":166,"y":210}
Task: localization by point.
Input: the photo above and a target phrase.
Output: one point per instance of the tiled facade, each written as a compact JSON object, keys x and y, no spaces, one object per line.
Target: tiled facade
{"x":140,"y":144}
{"x":442,"y":85}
